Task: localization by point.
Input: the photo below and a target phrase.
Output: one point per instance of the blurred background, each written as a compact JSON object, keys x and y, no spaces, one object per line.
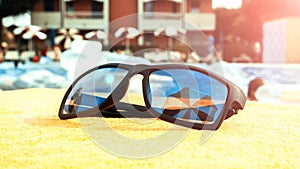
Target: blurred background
{"x":251,"y":38}
{"x":255,"y":31}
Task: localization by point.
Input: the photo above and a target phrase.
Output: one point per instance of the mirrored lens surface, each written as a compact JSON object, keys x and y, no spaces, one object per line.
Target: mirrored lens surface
{"x":187,"y":95}
{"x":92,"y":89}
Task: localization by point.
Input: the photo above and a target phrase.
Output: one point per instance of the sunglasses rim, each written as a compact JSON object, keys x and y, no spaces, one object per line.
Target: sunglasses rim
{"x":235,"y":99}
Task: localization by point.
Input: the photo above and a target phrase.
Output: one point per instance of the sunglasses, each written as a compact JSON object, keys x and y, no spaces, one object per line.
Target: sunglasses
{"x":184,"y":95}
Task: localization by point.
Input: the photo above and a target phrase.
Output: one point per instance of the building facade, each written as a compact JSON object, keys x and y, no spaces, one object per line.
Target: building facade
{"x":87,"y":15}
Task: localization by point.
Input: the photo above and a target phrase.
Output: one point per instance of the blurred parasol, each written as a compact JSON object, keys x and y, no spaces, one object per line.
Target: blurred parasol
{"x":127,"y":33}
{"x":96,"y":34}
{"x":66,"y":36}
{"x":30,"y":32}
{"x":169,"y":31}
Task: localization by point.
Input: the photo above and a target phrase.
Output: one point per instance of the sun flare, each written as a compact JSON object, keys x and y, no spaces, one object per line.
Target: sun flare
{"x":228,"y":4}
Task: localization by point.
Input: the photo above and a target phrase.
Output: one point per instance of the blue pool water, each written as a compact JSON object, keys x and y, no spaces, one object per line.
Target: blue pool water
{"x":32,"y":75}
{"x":53,"y":75}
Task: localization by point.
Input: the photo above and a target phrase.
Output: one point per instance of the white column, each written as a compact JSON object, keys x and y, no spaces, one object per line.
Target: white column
{"x":140,"y":20}
{"x":62,"y":13}
{"x":183,"y":24}
{"x":106,"y":19}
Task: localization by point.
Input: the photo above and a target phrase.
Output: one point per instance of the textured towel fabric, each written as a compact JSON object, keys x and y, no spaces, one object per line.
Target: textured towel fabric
{"x":32,"y":136}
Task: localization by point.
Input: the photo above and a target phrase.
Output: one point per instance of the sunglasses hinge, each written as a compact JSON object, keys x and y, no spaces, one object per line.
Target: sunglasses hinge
{"x":230,"y":113}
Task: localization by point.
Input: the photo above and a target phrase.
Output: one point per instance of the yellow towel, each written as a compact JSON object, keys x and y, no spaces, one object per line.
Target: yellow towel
{"x":32,"y":136}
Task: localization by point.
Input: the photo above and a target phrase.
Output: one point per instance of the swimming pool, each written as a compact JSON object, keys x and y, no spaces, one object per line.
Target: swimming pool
{"x":53,"y":75}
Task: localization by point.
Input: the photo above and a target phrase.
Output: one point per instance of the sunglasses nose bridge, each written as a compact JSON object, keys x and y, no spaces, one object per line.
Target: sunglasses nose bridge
{"x":132,"y":90}
{"x":116,"y":95}
{"x":131,"y":84}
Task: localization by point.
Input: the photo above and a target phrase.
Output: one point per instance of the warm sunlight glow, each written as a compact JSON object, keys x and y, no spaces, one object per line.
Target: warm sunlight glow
{"x":228,"y":4}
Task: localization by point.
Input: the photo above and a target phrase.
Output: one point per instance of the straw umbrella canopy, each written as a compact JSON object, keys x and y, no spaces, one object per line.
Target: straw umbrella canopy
{"x":127,"y":33}
{"x":30,"y":32}
{"x":34,"y":33}
{"x":66,"y":36}
{"x":96,"y":34}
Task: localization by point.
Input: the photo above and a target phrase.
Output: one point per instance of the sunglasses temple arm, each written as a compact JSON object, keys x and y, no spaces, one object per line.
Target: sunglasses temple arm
{"x":123,"y":109}
{"x":230,"y":113}
{"x":236,"y":107}
{"x":239,"y":103}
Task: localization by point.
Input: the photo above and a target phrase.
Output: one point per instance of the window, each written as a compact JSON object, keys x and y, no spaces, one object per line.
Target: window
{"x":48,"y":5}
{"x":174,"y":8}
{"x":195,"y":6}
{"x":148,"y":38}
{"x":149,"y":6}
{"x":162,"y":6}
{"x":70,"y":8}
{"x":97,"y":9}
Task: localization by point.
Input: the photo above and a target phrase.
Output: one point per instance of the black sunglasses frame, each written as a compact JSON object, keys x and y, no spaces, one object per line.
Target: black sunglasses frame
{"x":235,"y":100}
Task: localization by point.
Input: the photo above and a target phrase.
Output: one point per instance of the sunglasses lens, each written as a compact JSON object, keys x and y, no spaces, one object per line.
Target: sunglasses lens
{"x":186,"y":95}
{"x":92,"y":89}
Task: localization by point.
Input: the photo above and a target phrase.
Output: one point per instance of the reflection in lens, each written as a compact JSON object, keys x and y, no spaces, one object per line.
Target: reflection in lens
{"x":92,"y":89}
{"x":186,"y":95}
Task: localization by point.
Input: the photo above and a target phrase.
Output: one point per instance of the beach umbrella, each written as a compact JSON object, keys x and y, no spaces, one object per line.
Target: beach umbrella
{"x":127,"y":33}
{"x":66,"y":36}
{"x":30,"y":29}
{"x":171,"y":32}
{"x":30,"y":32}
{"x":96,"y":34}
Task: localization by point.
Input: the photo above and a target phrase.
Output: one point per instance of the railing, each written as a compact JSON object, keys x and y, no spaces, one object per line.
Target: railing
{"x":193,"y":21}
{"x":201,"y":21}
{"x":80,"y":20}
{"x":84,"y":20}
{"x":84,"y":14}
{"x":46,"y":19}
{"x":161,"y":15}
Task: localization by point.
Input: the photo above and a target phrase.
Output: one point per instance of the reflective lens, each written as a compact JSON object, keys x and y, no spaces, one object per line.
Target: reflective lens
{"x":186,"y":95}
{"x":92,"y":89}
